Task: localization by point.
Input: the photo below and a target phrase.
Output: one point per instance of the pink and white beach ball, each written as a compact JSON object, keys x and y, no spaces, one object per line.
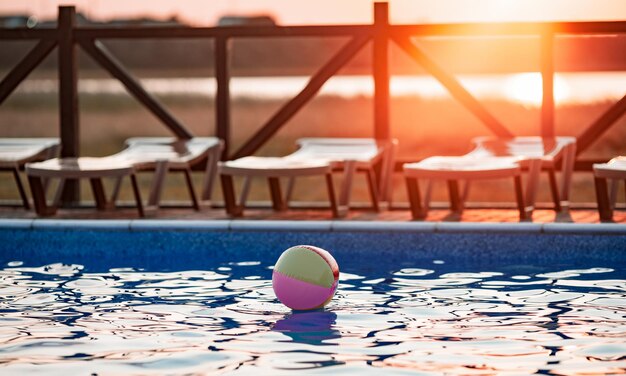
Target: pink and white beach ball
{"x":305,"y":277}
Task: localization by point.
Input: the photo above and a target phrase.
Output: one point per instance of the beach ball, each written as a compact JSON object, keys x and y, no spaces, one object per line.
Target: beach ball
{"x":305,"y":277}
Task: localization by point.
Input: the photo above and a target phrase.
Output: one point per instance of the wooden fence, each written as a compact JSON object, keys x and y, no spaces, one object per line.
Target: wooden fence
{"x":67,"y":37}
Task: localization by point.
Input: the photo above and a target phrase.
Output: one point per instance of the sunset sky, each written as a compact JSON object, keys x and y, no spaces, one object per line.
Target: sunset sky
{"x":291,"y":12}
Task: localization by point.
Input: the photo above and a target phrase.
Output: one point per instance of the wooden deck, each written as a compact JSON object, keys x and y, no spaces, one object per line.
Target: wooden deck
{"x":475,"y":215}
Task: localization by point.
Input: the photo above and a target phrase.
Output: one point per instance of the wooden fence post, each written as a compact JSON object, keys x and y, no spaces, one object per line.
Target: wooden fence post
{"x":547,"y":79}
{"x":68,"y":97}
{"x":381,"y":71}
{"x":222,"y":97}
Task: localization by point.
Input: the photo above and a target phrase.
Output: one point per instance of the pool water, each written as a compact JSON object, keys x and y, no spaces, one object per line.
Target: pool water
{"x":425,"y":315}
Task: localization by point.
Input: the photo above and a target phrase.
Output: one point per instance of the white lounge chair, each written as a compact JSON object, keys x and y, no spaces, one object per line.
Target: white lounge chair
{"x":352,"y":155}
{"x":468,"y":168}
{"x":349,"y":155}
{"x":272,"y":168}
{"x":163,"y":154}
{"x":16,"y":152}
{"x":94,"y":169}
{"x":614,"y":171}
{"x":551,"y":151}
{"x":158,"y":154}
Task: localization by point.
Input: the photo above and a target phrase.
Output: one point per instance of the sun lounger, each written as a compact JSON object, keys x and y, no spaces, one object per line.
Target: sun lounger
{"x":453,"y":169}
{"x":94,"y":169}
{"x":158,"y":154}
{"x":16,"y":152}
{"x":352,"y":155}
{"x":614,"y":171}
{"x":273,"y":169}
{"x":163,"y":154}
{"x":552,"y":152}
{"x":528,"y":150}
{"x":349,"y":155}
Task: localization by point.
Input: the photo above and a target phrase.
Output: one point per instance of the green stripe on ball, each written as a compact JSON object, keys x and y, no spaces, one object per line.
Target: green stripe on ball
{"x":305,"y":265}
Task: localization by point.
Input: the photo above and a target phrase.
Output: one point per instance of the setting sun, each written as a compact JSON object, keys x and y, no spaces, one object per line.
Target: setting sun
{"x":526,"y":88}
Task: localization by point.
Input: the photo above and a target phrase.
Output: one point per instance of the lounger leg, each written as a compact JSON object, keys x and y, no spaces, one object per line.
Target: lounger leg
{"x":59,"y":193}
{"x":466,"y":190}
{"x":346,"y":185}
{"x":98,"y":193}
{"x":519,"y":197}
{"x":20,"y":188}
{"x":291,"y":182}
{"x":613,"y":192}
{"x":428,"y":194}
{"x":382,"y":174}
{"x":116,"y":191}
{"x":331,"y":195}
{"x":555,"y":190}
{"x":245,"y":190}
{"x":157,"y":183}
{"x":415,"y":201}
{"x":133,"y":180}
{"x":39,"y":197}
{"x":228,"y":189}
{"x":210,"y":172}
{"x":46,"y":183}
{"x":568,"y":170}
{"x":278,"y":203}
{"x":456,"y":205}
{"x":386,"y":174}
{"x":534,"y":168}
{"x":602,"y":196}
{"x":192,"y":192}
{"x":371,"y":182}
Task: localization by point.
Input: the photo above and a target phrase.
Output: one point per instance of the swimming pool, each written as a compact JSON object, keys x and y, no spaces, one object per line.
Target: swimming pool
{"x":195,"y":297}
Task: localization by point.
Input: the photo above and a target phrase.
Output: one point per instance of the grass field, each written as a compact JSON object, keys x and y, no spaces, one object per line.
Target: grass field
{"x":424,"y":127}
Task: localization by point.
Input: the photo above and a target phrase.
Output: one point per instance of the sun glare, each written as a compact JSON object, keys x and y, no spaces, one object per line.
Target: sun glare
{"x":527,"y":88}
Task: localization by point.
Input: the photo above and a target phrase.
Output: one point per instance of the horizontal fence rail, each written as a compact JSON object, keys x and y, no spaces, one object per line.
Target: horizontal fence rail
{"x":449,"y":30}
{"x":67,"y":37}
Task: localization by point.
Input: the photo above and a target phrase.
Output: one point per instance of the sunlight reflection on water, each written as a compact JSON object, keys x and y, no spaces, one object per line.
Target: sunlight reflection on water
{"x":65,"y":319}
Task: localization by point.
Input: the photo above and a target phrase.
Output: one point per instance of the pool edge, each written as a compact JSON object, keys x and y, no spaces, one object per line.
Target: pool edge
{"x":315,"y":226}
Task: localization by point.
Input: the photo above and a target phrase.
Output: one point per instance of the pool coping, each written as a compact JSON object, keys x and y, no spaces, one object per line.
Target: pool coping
{"x":316,"y":226}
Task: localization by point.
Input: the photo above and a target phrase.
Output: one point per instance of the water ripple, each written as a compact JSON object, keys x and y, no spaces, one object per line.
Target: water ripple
{"x":69,"y":320}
